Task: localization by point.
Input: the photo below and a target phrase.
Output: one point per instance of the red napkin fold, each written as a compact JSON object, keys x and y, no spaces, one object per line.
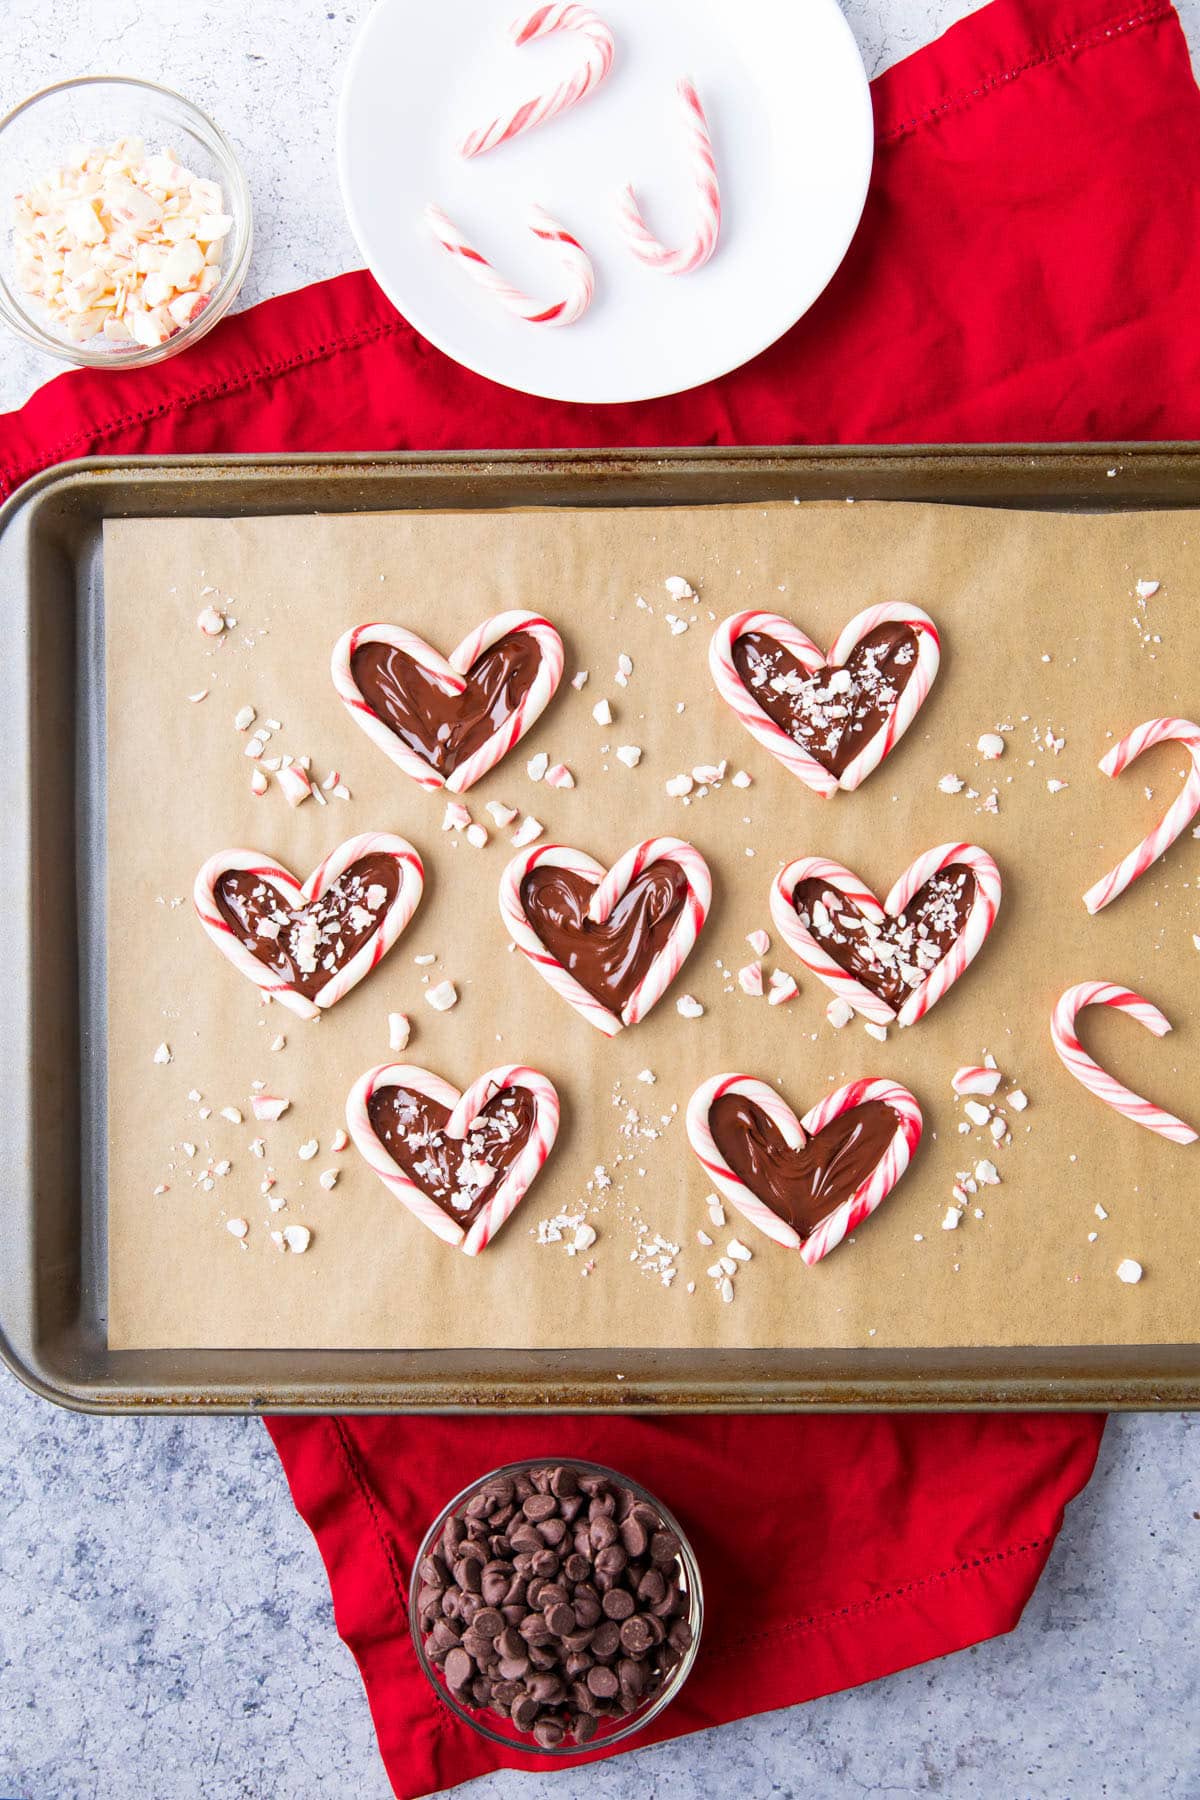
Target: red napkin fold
{"x":1027,"y":268}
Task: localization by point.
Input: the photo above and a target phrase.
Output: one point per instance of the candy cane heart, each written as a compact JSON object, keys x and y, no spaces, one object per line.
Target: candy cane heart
{"x":1177,"y":818}
{"x":806,"y":1183}
{"x":307,"y":944}
{"x":1088,"y":1072}
{"x":830,"y":720}
{"x":893,"y":962}
{"x":608,"y":942}
{"x":461,"y":1162}
{"x":429,"y":713}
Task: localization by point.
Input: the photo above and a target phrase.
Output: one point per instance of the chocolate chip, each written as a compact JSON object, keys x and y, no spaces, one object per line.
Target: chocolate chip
{"x":637,"y":1635}
{"x":549,"y":1733}
{"x":664,"y":1547}
{"x":611,"y":1560}
{"x":618,"y":1604}
{"x":459,"y":1668}
{"x":583,"y":1727}
{"x":577,"y":1568}
{"x":605,"y":1640}
{"x":524,"y":1712}
{"x":602,"y":1682}
{"x":539,"y":1506}
{"x":561,"y":1618}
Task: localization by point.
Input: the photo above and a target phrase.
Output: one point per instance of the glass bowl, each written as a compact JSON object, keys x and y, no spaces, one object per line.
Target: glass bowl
{"x":38,"y":135}
{"x":610,"y":1731}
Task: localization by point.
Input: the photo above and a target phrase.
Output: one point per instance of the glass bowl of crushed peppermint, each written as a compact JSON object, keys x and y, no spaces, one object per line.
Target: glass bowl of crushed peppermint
{"x":556,"y":1607}
{"x":128,"y":231}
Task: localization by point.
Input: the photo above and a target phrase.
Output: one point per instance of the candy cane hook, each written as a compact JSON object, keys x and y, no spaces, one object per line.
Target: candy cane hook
{"x":696,"y":251}
{"x":597,"y":59}
{"x":576,"y":265}
{"x":1098,"y":1081}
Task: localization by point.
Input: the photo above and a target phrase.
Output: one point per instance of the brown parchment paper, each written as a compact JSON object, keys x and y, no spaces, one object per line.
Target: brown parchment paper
{"x":1042,"y":631}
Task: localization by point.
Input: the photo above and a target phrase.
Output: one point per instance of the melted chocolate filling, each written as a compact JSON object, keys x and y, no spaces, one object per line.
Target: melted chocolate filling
{"x":801,"y":1186}
{"x":459,"y":1174}
{"x":306,"y":947}
{"x":608,"y":960}
{"x":445,"y":729}
{"x":894,"y":958}
{"x":833,"y":712}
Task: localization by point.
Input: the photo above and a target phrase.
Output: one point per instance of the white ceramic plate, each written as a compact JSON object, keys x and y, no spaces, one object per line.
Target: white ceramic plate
{"x":790,"y":113}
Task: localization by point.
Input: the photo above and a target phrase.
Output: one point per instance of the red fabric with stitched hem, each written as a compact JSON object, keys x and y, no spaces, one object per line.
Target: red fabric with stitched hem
{"x":1028,"y":267}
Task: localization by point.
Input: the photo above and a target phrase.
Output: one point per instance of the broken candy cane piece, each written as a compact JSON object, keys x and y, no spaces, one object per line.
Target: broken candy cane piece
{"x":269,"y":1107}
{"x":693,"y":254}
{"x":1089,"y":1073}
{"x":399,"y":1028}
{"x":975,"y":1080}
{"x":1178,"y":815}
{"x":782,"y":989}
{"x":559,"y":776}
{"x":750,"y":979}
{"x":759,"y":942}
{"x":599,"y":47}
{"x":295,"y":784}
{"x":211,"y":622}
{"x":442,"y":997}
{"x":575,"y":263}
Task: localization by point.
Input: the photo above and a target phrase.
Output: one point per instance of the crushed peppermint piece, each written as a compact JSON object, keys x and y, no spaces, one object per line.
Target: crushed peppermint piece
{"x":950,"y":1222}
{"x":1129,"y":1271}
{"x":537,"y":765}
{"x":978,"y":1114}
{"x":739,"y":1251}
{"x":200,"y":694}
{"x":602,"y":713}
{"x":295,"y":784}
{"x":559,"y":776}
{"x":328,"y":1179}
{"x":501,"y":815}
{"x":297,"y":1238}
{"x":308,"y":1150}
{"x":258,"y":783}
{"x":579,"y":679}
{"x":990,"y":746}
{"x":974,"y":1079}
{"x":750,"y":979}
{"x":477,"y":836}
{"x":679,"y":785}
{"x":759,"y":942}
{"x":238,"y":1228}
{"x":1099,"y":1211}
{"x":740,"y":779}
{"x":442,"y":997}
{"x":527,"y":832}
{"x":987,"y":1174}
{"x":951,"y":784}
{"x":268,"y":1107}
{"x":839,"y":1012}
{"x":1018,"y":1100}
{"x":163,"y":1054}
{"x":648,"y":1076}
{"x":244,"y":718}
{"x":878,"y":1032}
{"x":1056,"y":787}
{"x":211,"y":622}
{"x":399,"y":1027}
{"x":678,"y":588}
{"x":456,"y":817}
{"x":782,"y":988}
{"x":688,"y":1007}
{"x":232,"y":1114}
{"x":1146,"y":590}
{"x":340,"y":1139}
{"x":279,"y":1043}
{"x":629,"y":754}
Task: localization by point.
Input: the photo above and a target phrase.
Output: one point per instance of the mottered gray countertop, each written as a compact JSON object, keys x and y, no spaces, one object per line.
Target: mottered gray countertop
{"x":165,"y":1624}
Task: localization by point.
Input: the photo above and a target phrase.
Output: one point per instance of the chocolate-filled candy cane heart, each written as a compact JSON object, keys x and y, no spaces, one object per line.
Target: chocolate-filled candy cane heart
{"x":890,"y":962}
{"x":447,"y":721}
{"x":1088,"y":1072}
{"x":609,"y":943}
{"x":460,"y":1162}
{"x":805,"y":1182}
{"x":307,"y":944}
{"x":829,"y":720}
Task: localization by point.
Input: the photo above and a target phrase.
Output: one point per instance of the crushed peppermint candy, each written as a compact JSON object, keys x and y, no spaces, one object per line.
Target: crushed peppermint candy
{"x":399,"y":1029}
{"x":442,"y":997}
{"x":688,"y":1007}
{"x":269,"y":1108}
{"x":975,"y":1079}
{"x":990,"y":746}
{"x":629,"y":754}
{"x":839,"y":1012}
{"x":782,"y":988}
{"x":295,"y":784}
{"x":750,"y":979}
{"x":501,"y":815}
{"x":559,"y":776}
{"x":1129,"y":1271}
{"x":951,"y":784}
{"x":527,"y":832}
{"x":759,"y":942}
{"x":297,"y":1238}
{"x":602,"y":713}
{"x":163,"y":1054}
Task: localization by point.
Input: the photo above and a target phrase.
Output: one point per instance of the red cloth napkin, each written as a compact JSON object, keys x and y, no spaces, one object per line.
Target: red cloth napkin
{"x":1027,"y":267}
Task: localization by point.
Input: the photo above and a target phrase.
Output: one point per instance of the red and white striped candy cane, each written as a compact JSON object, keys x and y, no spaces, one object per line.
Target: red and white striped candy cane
{"x":913,"y":694}
{"x":772,"y":737}
{"x":693,"y":254}
{"x":1088,"y":1072}
{"x":450,"y":675}
{"x":813,"y":954}
{"x":795,"y":1132}
{"x":576,"y":265}
{"x":463,"y":1108}
{"x":1177,"y":817}
{"x":543,"y":21}
{"x":294,"y":895}
{"x":610,"y":885}
{"x":979,"y":921}
{"x":737,"y":695}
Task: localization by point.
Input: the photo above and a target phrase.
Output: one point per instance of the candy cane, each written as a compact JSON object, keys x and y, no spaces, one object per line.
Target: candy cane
{"x":695,"y":253}
{"x":979,"y":921}
{"x":913,"y":694}
{"x":610,"y":885}
{"x":1179,"y":814}
{"x":450,"y":674}
{"x":811,"y":952}
{"x":773,"y":737}
{"x":851,"y":1212}
{"x":294,"y":896}
{"x":597,"y":60}
{"x":1097,"y":1080}
{"x":580,"y":277}
{"x":463,"y":1108}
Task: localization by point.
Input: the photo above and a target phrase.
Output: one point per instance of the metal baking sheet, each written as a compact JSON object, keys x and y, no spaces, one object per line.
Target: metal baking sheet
{"x":52,"y":831}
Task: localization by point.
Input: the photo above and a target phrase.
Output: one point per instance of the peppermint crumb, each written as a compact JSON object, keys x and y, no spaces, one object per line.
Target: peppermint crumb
{"x":951,"y":784}
{"x":328,"y":1179}
{"x":232,"y":1114}
{"x":527,"y":832}
{"x":297,"y":1238}
{"x":688,"y":1007}
{"x":537,"y":765}
{"x":1129,"y":1271}
{"x":238,"y":1228}
{"x":308,"y":1150}
{"x":740,"y":779}
{"x":629,"y":754}
{"x":442,"y":997}
{"x":602,"y":713}
{"x":648,"y":1076}
{"x":163,"y":1054}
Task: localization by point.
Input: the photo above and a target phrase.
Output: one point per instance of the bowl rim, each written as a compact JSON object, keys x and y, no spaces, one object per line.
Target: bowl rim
{"x":25,"y":324}
{"x":638,"y":1721}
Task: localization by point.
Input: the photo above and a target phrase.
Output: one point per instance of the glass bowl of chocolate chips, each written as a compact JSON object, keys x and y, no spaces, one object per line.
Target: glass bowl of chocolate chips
{"x":556,"y":1607}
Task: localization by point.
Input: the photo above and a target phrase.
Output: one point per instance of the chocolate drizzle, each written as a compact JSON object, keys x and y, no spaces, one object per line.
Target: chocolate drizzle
{"x":802,"y":1186}
{"x":892,"y":959}
{"x":459,"y":1174}
{"x":305,"y":947}
{"x":833,"y":713}
{"x":608,"y":960}
{"x":445,"y":729}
